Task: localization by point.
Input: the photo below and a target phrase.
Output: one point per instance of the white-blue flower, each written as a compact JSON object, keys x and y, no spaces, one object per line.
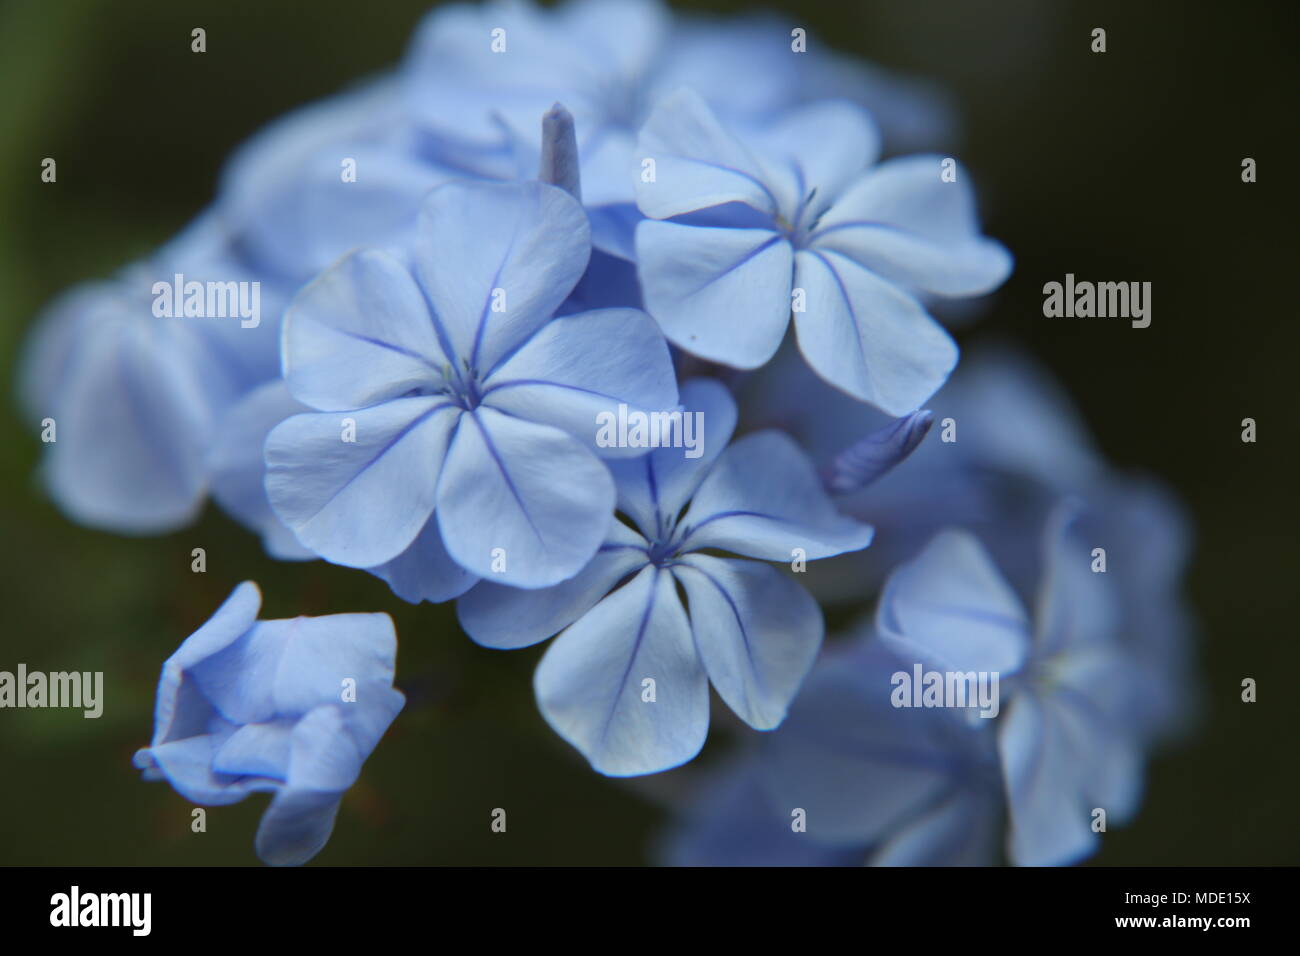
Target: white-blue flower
{"x":456,"y":436}
{"x":1067,"y":745}
{"x":796,"y":220}
{"x":747,"y":628}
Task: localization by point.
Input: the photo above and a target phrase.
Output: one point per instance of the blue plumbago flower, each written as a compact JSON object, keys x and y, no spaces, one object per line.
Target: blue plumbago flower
{"x":457,"y":432}
{"x":1011,"y":446}
{"x":794,"y":219}
{"x":627,"y":681}
{"x":477,"y":77}
{"x":136,"y":395}
{"x":865,"y":781}
{"x":290,"y":707}
{"x":1065,"y":734}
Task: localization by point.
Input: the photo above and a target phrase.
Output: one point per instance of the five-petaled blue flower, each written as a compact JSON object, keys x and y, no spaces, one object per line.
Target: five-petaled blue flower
{"x":627,"y":680}
{"x":456,"y":436}
{"x":290,"y":707}
{"x":1066,"y":744}
{"x":794,"y":221}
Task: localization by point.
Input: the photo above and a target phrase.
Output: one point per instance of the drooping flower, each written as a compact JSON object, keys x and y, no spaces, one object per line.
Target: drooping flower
{"x":456,"y":436}
{"x":795,"y":220}
{"x":1067,"y":740}
{"x":626,"y":682}
{"x":289,"y":707}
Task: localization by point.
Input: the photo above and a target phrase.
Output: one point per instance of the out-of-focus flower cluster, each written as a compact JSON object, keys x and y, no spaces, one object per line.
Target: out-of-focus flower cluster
{"x":592,"y":319}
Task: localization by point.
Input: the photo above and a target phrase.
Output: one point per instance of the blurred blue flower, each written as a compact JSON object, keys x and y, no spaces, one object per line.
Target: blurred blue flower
{"x":1067,"y":739}
{"x":626,"y":682}
{"x":136,"y":397}
{"x":875,"y":784}
{"x":291,"y":707}
{"x":447,"y":389}
{"x":1017,"y":447}
{"x":791,"y":219}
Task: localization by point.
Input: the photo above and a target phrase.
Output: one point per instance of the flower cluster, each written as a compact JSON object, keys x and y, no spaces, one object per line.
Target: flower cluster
{"x":506,"y":327}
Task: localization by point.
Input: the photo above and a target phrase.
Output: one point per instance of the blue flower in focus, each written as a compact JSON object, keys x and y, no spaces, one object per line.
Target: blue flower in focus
{"x":291,"y":707}
{"x":627,"y":681}
{"x":457,"y":423}
{"x":876,"y":784}
{"x":793,"y":220}
{"x":1066,"y":738}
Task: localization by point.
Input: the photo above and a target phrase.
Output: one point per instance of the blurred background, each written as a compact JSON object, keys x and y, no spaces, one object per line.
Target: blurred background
{"x":1120,"y":166}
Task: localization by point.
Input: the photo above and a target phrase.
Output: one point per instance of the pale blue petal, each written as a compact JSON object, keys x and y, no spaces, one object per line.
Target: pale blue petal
{"x":289,"y":667}
{"x":181,"y":711}
{"x":814,"y":168}
{"x":1049,"y":817}
{"x":590,"y":684}
{"x":496,"y":260}
{"x":425,"y":571}
{"x":867,"y":336}
{"x":906,"y":224}
{"x":506,"y":618}
{"x":296,"y":826}
{"x":721,"y":294}
{"x":764,"y":499}
{"x":757,"y":632}
{"x":697,"y":162}
{"x":963,"y":829}
{"x":857,"y":765}
{"x":653,"y":489}
{"x":951,"y":610}
{"x":239,"y":468}
{"x":583,"y":366}
{"x":360,"y":334}
{"x":521,"y":503}
{"x":359,"y":503}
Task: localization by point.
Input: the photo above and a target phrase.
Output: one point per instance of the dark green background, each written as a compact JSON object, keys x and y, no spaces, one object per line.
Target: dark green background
{"x":1119,"y":166}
